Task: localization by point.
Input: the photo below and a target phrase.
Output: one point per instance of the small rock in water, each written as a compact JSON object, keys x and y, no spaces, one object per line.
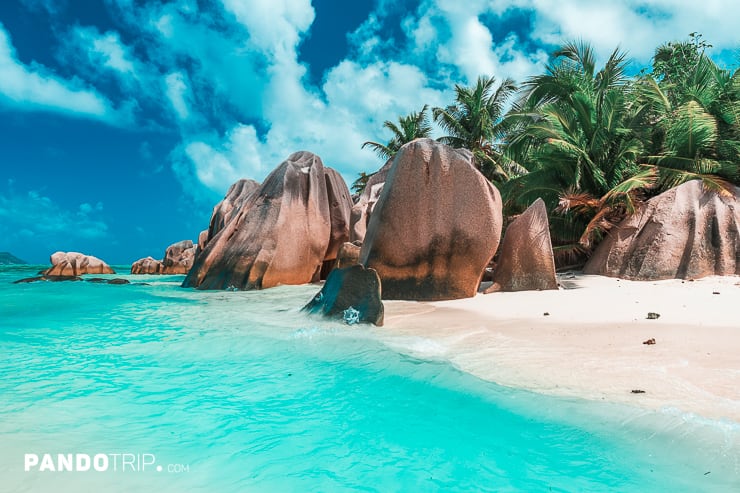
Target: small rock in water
{"x":650,"y":341}
{"x":47,"y":278}
{"x":102,"y":280}
{"x":715,"y":292}
{"x":546,"y":314}
{"x":638,"y":391}
{"x":351,"y":294}
{"x":119,"y":280}
{"x":653,"y":316}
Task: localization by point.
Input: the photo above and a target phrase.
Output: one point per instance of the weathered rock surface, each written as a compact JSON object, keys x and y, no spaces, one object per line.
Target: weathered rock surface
{"x":178,"y":258}
{"x":525,"y":259}
{"x":361,"y":211}
{"x":281,"y":234}
{"x":202,"y":240}
{"x":340,"y":207}
{"x":76,"y":264}
{"x":348,"y":289}
{"x":237,"y":195}
{"x":435,"y":226}
{"x":101,"y":280}
{"x":147,"y":265}
{"x":349,"y":254}
{"x":685,"y":233}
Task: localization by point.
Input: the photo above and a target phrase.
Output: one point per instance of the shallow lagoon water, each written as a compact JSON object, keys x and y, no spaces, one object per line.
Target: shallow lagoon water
{"x":235,"y":391}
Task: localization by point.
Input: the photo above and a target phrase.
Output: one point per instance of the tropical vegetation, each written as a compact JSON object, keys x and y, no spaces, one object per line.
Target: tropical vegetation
{"x":593,"y":142}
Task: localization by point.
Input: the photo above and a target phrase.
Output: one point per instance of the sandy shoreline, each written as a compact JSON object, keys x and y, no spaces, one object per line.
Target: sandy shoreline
{"x":591,"y":343}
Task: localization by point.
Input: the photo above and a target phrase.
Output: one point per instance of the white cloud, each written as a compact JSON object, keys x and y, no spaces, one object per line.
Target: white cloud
{"x":274,"y":26}
{"x":177,"y":91}
{"x":108,"y":51}
{"x":228,"y":161}
{"x":230,"y":71}
{"x":637,"y":26}
{"x":34,"y":87}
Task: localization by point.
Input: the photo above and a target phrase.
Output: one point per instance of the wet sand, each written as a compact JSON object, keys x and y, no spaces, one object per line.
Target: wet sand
{"x":587,"y":341}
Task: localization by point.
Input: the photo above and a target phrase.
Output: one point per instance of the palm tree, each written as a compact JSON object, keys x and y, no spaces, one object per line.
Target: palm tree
{"x":695,"y":131}
{"x":474,"y":122}
{"x":576,"y":137}
{"x":410,"y":127}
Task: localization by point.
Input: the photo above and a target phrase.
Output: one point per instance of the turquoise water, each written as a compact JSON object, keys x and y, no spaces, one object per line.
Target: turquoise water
{"x":234,"y":391}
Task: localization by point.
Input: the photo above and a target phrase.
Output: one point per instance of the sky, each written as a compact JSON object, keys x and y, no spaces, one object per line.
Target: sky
{"x":123,"y":122}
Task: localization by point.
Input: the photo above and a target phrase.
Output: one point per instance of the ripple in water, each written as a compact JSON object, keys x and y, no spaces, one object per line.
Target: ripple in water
{"x":251,"y":395}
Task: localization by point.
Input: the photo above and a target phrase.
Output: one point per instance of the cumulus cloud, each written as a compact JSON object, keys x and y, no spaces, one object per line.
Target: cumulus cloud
{"x":106,"y":50}
{"x":637,"y":26}
{"x":177,"y":91}
{"x":227,"y":75}
{"x":446,"y":42}
{"x":35,"y":88}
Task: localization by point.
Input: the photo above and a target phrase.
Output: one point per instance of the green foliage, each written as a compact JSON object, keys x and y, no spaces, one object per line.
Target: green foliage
{"x":575,"y":137}
{"x":410,"y":127}
{"x":592,"y":142}
{"x":416,"y":125}
{"x":475,"y":122}
{"x":358,"y":186}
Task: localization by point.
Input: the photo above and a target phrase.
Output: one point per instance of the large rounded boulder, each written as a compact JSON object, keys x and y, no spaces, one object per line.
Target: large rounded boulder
{"x":147,"y":265}
{"x":178,"y":258}
{"x":526,"y":261}
{"x":685,"y":233}
{"x":76,"y":264}
{"x":281,"y":234}
{"x":435,"y":227}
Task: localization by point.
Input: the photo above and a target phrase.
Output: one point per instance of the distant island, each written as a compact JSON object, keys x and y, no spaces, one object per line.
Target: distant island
{"x":7,"y":258}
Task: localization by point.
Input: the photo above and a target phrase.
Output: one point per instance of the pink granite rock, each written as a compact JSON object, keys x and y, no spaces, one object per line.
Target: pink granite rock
{"x":147,"y":265}
{"x":281,"y":234}
{"x":685,"y":233}
{"x":525,"y":260}
{"x":436,"y":225}
{"x":76,"y":264}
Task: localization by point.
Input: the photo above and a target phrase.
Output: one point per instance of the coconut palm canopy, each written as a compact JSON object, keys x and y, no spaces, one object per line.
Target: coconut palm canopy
{"x":594,"y":142}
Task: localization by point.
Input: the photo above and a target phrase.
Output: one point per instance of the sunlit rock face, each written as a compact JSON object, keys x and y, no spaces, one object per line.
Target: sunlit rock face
{"x":147,"y":265}
{"x":685,"y":233}
{"x":76,"y":264}
{"x":282,"y":234}
{"x":178,"y":258}
{"x":436,"y":224}
{"x":525,"y":260}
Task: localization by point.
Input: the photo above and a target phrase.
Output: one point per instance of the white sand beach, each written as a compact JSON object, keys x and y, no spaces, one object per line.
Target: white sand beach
{"x":591,"y":343}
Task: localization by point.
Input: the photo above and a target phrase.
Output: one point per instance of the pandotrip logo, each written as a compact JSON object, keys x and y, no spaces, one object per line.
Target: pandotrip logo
{"x":100,"y":462}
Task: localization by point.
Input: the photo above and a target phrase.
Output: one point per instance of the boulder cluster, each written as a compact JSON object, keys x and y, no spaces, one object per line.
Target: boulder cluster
{"x":426,"y":227}
{"x":178,"y":259}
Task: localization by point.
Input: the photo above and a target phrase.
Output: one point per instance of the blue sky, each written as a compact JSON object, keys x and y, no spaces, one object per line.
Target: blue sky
{"x":123,"y":122}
